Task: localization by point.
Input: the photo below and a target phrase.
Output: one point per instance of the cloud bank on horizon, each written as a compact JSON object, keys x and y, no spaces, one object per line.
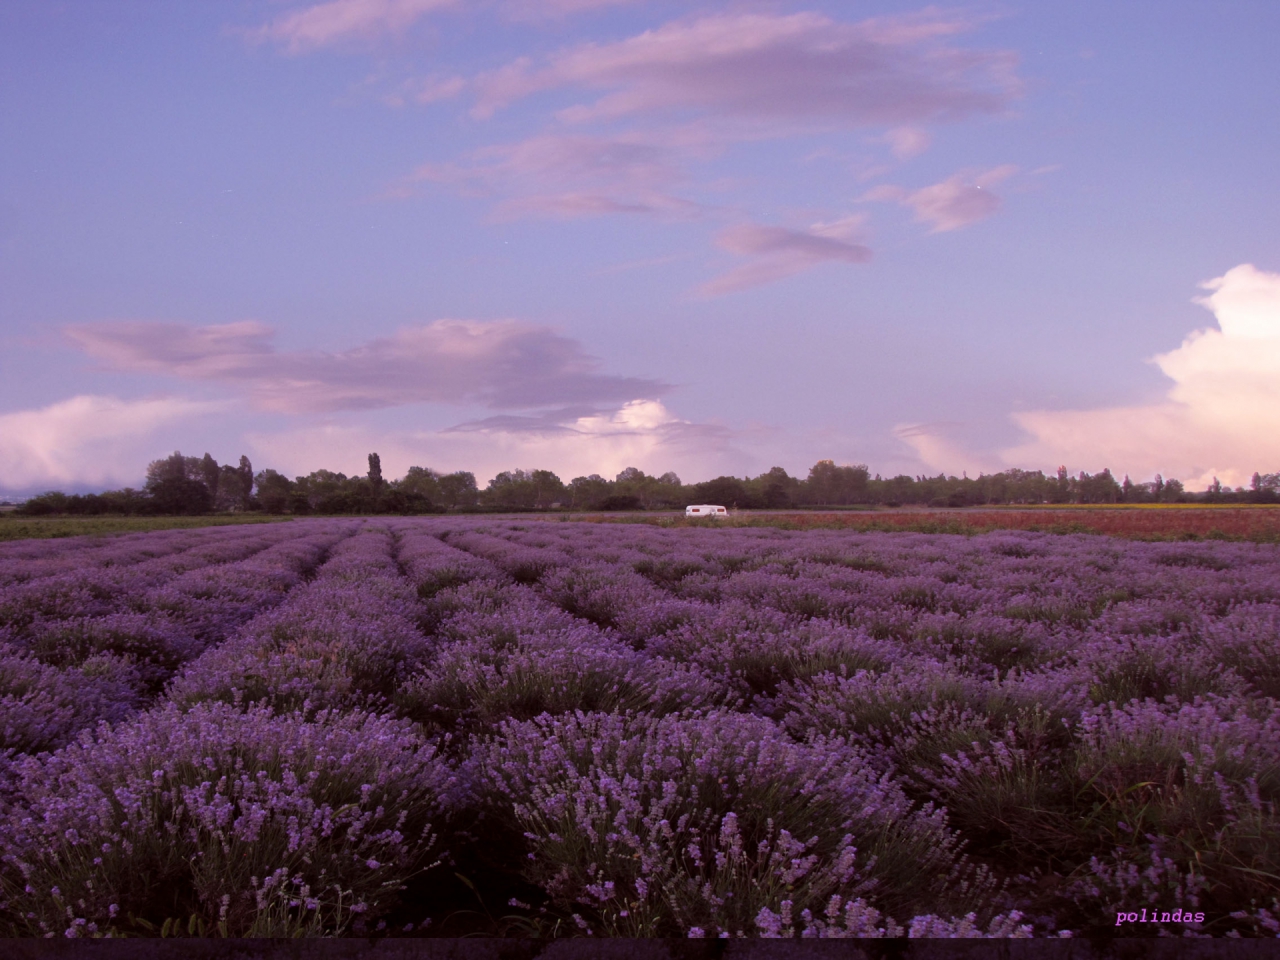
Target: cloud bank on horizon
{"x":1220,"y":419}
{"x":1222,"y":410}
{"x":591,"y":234}
{"x":93,"y":440}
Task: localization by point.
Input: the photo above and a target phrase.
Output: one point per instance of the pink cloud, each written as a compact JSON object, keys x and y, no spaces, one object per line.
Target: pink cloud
{"x":325,"y":24}
{"x":577,"y":175}
{"x":795,"y":70}
{"x":555,"y":9}
{"x":572,"y":206}
{"x":956,"y":202}
{"x":907,"y":142}
{"x":936,"y":447}
{"x":430,"y":91}
{"x":502,"y":364}
{"x":779,"y":252}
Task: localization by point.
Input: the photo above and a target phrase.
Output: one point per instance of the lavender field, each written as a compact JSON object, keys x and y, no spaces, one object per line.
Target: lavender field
{"x":449,"y":726}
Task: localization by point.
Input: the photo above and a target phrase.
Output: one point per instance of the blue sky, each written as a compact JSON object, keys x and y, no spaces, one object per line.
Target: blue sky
{"x":582,"y":235}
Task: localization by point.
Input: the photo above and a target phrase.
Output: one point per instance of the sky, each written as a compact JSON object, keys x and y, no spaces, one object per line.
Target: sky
{"x":581,"y":235}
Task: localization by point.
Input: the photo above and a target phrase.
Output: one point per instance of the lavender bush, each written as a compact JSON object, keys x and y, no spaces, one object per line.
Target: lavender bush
{"x":661,"y":827}
{"x":251,"y":822}
{"x":102,"y":661}
{"x":43,"y":707}
{"x":654,"y":731}
{"x":348,"y":638}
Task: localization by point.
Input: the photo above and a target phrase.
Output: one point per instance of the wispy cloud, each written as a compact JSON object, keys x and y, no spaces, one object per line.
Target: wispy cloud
{"x":557,"y":9}
{"x":1221,"y":417}
{"x":325,"y":24}
{"x":308,"y":28}
{"x":504,"y":364}
{"x":797,"y":70}
{"x":655,"y":110}
{"x":437,"y":88}
{"x":575,"y":175}
{"x":936,"y":445}
{"x":779,"y":252}
{"x":86,"y":439}
{"x":907,"y":142}
{"x":961,"y":199}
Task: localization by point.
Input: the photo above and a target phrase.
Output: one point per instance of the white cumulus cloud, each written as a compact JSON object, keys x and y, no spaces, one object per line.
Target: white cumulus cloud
{"x":91,"y":440}
{"x":1220,"y":418}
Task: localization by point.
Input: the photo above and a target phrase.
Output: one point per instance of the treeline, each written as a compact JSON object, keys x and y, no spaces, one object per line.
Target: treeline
{"x":197,"y":485}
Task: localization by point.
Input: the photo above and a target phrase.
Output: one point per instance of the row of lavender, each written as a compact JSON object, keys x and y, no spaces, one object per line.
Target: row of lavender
{"x":94,"y":634}
{"x":1097,"y":718}
{"x":645,"y":732}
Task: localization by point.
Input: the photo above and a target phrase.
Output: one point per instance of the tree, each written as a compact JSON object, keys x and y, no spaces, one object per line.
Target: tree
{"x":621,"y":501}
{"x":55,"y":501}
{"x":648,"y":491}
{"x":274,"y":491}
{"x":422,"y":481}
{"x":666,"y":491}
{"x":588,"y":493}
{"x":246,"y":482}
{"x":172,"y":467}
{"x":375,"y":472}
{"x":458,"y":489}
{"x":1100,"y":488}
{"x":1172,"y":491}
{"x":510,"y":488}
{"x":211,"y":474}
{"x":1061,"y":492}
{"x":180,"y":495}
{"x":547,"y":487}
{"x":725,"y":491}
{"x":1265,"y":487}
{"x":536,"y":489}
{"x":775,"y":489}
{"x":322,"y":488}
{"x":230,"y":495}
{"x":829,"y":484}
{"x":175,"y":485}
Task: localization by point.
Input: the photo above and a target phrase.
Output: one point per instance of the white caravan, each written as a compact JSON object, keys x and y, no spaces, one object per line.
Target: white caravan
{"x":705,"y":510}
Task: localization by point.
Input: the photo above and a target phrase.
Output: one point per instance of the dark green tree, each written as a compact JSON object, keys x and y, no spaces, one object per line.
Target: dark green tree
{"x":422,"y":481}
{"x":458,"y":490}
{"x":775,"y":489}
{"x":536,"y":489}
{"x":246,"y":483}
{"x":180,"y":496}
{"x":211,"y":473}
{"x":588,"y":493}
{"x":230,"y":495}
{"x":726,"y":491}
{"x":829,"y":484}
{"x":274,"y":491}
